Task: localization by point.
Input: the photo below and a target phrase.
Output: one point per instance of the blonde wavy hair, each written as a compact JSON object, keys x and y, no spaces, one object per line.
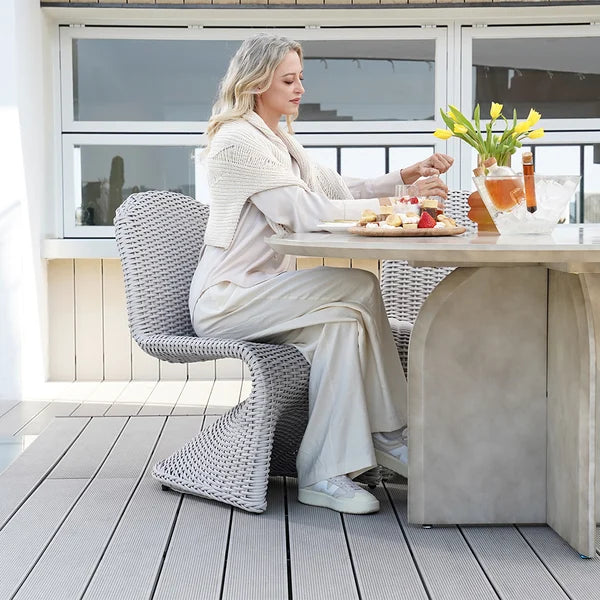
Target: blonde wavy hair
{"x":251,"y":69}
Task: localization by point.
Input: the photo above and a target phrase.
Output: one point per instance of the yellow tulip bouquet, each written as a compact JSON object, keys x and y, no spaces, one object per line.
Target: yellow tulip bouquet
{"x":500,"y":146}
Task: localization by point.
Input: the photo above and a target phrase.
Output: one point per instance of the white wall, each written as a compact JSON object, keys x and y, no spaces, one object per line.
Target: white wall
{"x":26,"y":185}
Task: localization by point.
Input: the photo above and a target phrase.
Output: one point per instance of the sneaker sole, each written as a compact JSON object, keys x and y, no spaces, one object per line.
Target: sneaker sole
{"x":339,"y":505}
{"x":385,"y":460}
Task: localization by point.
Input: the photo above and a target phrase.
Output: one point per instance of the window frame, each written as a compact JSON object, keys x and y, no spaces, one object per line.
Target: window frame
{"x":575,"y":131}
{"x":72,"y":191}
{"x":68,"y":34}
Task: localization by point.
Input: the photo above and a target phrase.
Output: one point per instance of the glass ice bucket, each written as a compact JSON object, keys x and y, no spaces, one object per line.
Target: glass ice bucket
{"x":504,"y":197}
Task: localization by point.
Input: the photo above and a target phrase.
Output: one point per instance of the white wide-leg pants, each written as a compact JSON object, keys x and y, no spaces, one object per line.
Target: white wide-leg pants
{"x":336,"y":318}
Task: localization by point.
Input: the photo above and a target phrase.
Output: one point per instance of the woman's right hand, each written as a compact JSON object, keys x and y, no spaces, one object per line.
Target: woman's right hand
{"x":431,"y":186}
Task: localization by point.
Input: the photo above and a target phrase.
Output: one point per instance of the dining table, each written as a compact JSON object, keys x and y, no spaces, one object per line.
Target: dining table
{"x":503,"y":375}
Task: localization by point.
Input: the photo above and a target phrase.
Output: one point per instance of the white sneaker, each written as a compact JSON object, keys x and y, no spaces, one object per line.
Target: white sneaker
{"x":391,"y":450}
{"x":339,"y":493}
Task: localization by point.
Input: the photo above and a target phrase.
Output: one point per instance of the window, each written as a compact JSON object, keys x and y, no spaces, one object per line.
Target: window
{"x":135,"y":102}
{"x":554,"y":70}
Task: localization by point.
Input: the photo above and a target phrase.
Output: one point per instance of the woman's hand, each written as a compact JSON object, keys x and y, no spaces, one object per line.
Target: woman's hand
{"x":431,"y":186}
{"x":436,"y":164}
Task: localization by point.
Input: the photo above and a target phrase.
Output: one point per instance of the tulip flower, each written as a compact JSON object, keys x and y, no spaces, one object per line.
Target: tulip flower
{"x":488,"y":140}
{"x":537,"y":133}
{"x":533,"y":118}
{"x":443,"y":134}
{"x":495,"y":110}
{"x":522,"y":127}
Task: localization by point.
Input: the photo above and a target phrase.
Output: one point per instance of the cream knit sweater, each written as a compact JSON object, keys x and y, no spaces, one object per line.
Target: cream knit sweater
{"x":246,"y":157}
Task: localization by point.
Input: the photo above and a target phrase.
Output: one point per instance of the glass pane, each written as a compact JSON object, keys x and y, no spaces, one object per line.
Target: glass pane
{"x":408,"y":155}
{"x":363,"y":162}
{"x":324,"y":156}
{"x":147,"y":80}
{"x":559,"y":77}
{"x":110,"y":173}
{"x":177,"y":80}
{"x":591,"y":184}
{"x":367,"y":80}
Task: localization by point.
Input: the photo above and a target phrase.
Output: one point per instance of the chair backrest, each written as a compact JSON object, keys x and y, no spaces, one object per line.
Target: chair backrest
{"x":159,"y":236}
{"x":405,"y":288}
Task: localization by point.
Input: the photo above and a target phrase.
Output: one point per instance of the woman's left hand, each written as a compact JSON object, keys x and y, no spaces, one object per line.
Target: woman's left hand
{"x":434,"y":165}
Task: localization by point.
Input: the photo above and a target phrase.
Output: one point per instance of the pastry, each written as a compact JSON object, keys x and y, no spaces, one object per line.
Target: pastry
{"x":429,"y":205}
{"x":394,"y":220}
{"x":367,"y":216}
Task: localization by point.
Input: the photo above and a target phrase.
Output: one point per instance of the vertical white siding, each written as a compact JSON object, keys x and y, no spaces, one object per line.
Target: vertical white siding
{"x":117,"y":341}
{"x":61,"y":320}
{"x":89,"y":336}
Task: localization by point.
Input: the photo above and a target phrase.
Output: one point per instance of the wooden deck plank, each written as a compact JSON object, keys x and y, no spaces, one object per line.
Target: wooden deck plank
{"x":77,"y":391}
{"x":163,"y":398}
{"x":79,"y":542}
{"x":136,"y":392}
{"x":91,"y":409}
{"x":25,"y":536}
{"x":194,"y":397}
{"x":107,"y":392}
{"x":260,"y":574}
{"x":24,"y":475}
{"x":146,"y":525}
{"x":131,"y":399}
{"x":90,"y":449}
{"x":6,"y":406}
{"x":320,"y":562}
{"x":83,"y":536}
{"x":19,"y":416}
{"x":578,"y":577}
{"x":513,"y":568}
{"x":224,"y":396}
{"x":46,"y":416}
{"x":372,"y":537}
{"x":46,"y":390}
{"x":445,"y":561}
{"x":199,"y":538}
{"x":132,"y":448}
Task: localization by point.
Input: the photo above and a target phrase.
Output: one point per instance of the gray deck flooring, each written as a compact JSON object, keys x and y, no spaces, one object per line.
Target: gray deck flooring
{"x":80,"y":517}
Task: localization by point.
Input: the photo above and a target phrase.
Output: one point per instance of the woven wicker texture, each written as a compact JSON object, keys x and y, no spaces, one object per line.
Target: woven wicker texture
{"x":405,"y":288}
{"x":159,"y":236}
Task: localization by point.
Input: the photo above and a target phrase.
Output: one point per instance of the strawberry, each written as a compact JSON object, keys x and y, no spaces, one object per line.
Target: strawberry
{"x":414,"y":200}
{"x":426,"y":221}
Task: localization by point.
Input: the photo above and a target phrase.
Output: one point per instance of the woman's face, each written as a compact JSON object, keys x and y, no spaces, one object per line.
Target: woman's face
{"x":283,"y":96}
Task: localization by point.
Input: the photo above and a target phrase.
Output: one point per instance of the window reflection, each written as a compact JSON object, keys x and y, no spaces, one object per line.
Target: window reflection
{"x":560,"y":77}
{"x":109,"y":174}
{"x":177,"y":80}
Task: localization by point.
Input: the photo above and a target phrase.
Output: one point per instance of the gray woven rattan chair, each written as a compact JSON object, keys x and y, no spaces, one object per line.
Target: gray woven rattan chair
{"x":159,"y":236}
{"x":405,"y":288}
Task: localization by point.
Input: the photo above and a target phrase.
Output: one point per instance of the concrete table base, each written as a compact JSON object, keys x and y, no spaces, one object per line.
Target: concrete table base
{"x":502,"y":401}
{"x":503,"y":376}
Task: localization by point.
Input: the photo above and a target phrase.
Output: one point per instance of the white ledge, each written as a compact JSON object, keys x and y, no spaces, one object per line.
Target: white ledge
{"x":79,"y":248}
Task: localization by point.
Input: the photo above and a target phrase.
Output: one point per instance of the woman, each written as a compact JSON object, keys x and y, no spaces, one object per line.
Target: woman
{"x":262,"y":181}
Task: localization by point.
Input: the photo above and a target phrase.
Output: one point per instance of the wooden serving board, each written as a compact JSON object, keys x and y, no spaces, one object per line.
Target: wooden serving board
{"x":399,"y":232}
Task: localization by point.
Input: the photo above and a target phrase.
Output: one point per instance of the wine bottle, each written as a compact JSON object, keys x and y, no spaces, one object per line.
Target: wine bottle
{"x":529,"y":180}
